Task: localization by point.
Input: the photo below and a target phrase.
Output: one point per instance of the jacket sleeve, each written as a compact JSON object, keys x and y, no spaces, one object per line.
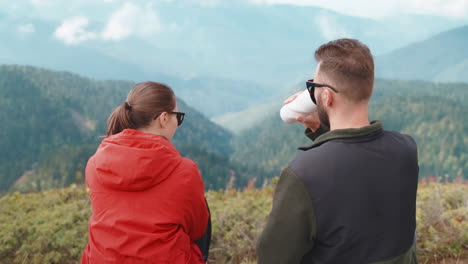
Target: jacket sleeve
{"x":291,"y":227}
{"x":204,"y":242}
{"x":315,"y":134}
{"x":197,"y":210}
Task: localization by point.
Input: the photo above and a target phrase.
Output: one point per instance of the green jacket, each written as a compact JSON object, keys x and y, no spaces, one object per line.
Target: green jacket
{"x":330,"y":207}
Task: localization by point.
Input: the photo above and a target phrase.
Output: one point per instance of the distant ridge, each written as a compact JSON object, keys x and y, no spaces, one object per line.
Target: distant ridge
{"x":441,"y":58}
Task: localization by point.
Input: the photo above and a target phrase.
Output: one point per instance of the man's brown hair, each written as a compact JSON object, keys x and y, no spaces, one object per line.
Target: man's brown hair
{"x":348,"y":63}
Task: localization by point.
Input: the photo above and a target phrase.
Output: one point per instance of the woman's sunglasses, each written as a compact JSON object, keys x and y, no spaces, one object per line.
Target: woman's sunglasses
{"x":179,"y":115}
{"x":311,"y":88}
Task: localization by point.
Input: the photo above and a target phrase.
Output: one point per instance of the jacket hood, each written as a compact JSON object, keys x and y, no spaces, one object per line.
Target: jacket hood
{"x":134,"y":161}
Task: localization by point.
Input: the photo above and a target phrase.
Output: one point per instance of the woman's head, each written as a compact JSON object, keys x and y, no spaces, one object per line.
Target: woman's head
{"x":149,"y":107}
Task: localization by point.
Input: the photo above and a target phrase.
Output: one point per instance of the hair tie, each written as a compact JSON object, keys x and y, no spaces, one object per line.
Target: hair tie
{"x":128,"y":106}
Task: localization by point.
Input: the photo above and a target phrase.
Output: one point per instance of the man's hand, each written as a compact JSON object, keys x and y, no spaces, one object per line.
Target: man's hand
{"x":311,"y":120}
{"x":292,"y":97}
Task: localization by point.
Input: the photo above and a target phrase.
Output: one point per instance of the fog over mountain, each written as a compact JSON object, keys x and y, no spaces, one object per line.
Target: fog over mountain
{"x":441,"y":58}
{"x":265,"y":44}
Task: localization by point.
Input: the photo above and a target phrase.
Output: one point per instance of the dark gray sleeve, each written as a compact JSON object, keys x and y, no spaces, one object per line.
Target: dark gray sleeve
{"x":204,"y":242}
{"x":291,"y":226}
{"x":315,"y":134}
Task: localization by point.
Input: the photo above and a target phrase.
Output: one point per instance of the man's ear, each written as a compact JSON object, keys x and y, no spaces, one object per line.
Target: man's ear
{"x":328,"y":97}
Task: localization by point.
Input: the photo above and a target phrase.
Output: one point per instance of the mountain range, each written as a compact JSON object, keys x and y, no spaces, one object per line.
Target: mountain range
{"x":434,"y":114}
{"x":227,"y":69}
{"x":441,"y":58}
{"x":245,"y":53}
{"x":53,"y":121}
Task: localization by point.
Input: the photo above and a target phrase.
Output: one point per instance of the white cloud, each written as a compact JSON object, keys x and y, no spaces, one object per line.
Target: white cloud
{"x":38,"y":2}
{"x":451,"y":8}
{"x":209,"y":3}
{"x":73,"y":31}
{"x":130,"y":20}
{"x":329,"y":28}
{"x":381,"y":9}
{"x":26,"y":29}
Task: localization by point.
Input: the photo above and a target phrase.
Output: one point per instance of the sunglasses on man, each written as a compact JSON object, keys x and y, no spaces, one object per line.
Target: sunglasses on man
{"x":310,"y":84}
{"x":179,"y":115}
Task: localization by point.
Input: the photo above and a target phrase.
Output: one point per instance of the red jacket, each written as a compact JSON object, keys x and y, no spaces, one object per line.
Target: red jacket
{"x":147,"y":201}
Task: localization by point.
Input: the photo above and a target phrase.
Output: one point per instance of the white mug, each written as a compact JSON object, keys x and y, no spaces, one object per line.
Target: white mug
{"x":302,"y":105}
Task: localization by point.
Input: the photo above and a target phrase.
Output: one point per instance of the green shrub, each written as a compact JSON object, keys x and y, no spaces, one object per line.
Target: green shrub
{"x":51,"y":226}
{"x":46,"y":227}
{"x":238,"y":219}
{"x":442,"y":217}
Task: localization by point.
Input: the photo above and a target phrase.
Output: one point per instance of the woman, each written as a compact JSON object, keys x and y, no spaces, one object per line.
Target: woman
{"x":147,"y":201}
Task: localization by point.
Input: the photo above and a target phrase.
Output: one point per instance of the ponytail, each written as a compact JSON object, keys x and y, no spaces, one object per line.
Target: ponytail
{"x":119,"y":120}
{"x":144,"y":101}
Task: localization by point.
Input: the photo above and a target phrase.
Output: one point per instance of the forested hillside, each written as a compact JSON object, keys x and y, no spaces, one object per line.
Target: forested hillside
{"x":53,"y":121}
{"x":435,"y":114}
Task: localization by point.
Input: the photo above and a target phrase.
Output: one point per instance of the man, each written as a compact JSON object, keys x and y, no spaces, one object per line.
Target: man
{"x":350,"y":197}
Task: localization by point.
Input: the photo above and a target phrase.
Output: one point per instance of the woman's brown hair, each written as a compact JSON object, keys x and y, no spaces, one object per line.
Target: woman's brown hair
{"x":145,"y":100}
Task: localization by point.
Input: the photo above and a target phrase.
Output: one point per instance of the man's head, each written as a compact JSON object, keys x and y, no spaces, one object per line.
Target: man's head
{"x":348,"y":66}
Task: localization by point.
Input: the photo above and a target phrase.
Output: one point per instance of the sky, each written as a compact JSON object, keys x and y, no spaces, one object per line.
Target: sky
{"x":361,"y":8}
{"x":190,"y":38}
{"x":120,"y":19}
{"x":384,"y":8}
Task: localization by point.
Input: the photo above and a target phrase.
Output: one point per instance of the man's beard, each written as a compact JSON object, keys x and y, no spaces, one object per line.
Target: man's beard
{"x":323,"y":115}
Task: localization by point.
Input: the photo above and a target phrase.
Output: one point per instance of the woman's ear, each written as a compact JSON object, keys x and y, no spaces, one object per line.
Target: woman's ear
{"x":163,"y":119}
